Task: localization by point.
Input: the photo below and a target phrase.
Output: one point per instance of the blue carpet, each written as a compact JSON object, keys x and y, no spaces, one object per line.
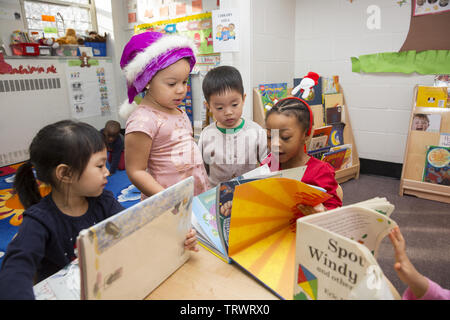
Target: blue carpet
{"x":11,"y":210}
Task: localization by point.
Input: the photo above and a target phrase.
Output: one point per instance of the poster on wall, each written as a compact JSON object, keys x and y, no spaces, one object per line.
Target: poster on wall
{"x":422,"y":7}
{"x":197,"y":27}
{"x":226,"y":30}
{"x":90,"y":88}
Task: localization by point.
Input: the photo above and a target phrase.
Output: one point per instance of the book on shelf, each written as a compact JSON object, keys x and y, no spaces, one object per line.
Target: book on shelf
{"x":336,"y":253}
{"x":437,"y":165}
{"x":315,"y":95}
{"x":431,"y":97}
{"x":271,"y":93}
{"x":319,"y":138}
{"x":444,"y":139}
{"x":337,"y":134}
{"x":211,"y":210}
{"x":319,"y":152}
{"x":335,"y":158}
{"x":330,"y":85}
{"x":115,"y":255}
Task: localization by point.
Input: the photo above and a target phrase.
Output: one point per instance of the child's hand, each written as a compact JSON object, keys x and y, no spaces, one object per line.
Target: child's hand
{"x":191,"y":241}
{"x":403,"y":266}
{"x":225,"y":209}
{"x":307,"y":210}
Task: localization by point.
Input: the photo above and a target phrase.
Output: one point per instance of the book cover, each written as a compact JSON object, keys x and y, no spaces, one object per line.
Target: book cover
{"x":271,"y":93}
{"x":115,"y":255}
{"x":337,"y":134}
{"x":335,"y":158}
{"x":262,"y":229}
{"x":315,"y":95}
{"x":336,"y":253}
{"x":437,"y":165}
{"x":333,"y":115}
{"x":431,"y":97}
{"x":348,"y":159}
{"x":444,"y":139}
{"x":319,"y":138}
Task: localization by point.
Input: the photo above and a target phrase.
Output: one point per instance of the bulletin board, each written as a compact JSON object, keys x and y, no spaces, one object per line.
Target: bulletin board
{"x":37,"y":92}
{"x":197,"y":27}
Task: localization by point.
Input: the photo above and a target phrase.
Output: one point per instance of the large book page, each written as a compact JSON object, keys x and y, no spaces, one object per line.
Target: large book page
{"x":329,"y":266}
{"x":129,"y":254}
{"x":362,"y":225}
{"x":262,"y":231}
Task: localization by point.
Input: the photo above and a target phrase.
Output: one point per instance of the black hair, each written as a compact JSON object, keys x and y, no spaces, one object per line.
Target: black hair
{"x":112,"y":126}
{"x":222,"y":79}
{"x":64,"y":142}
{"x":294,"y":107}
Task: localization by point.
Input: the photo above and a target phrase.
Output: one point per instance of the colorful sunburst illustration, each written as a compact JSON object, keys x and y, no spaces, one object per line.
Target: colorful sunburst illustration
{"x":308,"y":283}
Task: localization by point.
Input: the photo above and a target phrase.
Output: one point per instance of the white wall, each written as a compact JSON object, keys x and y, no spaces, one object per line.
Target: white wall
{"x":327,"y":34}
{"x":273,"y":41}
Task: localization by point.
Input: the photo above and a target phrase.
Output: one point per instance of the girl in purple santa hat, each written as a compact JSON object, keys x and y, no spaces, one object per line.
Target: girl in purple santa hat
{"x":159,"y":146}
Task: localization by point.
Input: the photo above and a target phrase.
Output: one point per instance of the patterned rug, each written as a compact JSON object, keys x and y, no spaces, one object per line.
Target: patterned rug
{"x":11,"y":209}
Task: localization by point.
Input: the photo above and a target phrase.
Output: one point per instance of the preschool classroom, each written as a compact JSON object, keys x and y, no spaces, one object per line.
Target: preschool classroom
{"x":376,"y":77}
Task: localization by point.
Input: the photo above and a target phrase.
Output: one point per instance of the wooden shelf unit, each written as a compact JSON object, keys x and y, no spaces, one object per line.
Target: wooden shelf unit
{"x":415,"y":152}
{"x":331,"y":100}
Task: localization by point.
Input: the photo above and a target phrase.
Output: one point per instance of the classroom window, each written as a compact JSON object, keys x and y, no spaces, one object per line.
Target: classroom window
{"x":51,"y":18}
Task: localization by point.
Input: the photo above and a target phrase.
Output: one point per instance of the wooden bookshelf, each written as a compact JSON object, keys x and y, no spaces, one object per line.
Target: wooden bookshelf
{"x":331,"y":100}
{"x":415,"y":152}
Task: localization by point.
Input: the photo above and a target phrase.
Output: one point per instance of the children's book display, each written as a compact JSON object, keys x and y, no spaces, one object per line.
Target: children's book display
{"x":425,"y":171}
{"x":211,"y":210}
{"x":336,"y":253}
{"x":328,"y":107}
{"x":129,"y":254}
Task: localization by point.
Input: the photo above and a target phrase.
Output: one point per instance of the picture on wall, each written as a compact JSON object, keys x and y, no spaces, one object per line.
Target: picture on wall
{"x":226,"y":30}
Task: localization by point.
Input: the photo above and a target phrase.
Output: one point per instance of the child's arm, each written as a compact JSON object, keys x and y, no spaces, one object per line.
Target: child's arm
{"x":21,"y":260}
{"x":406,"y":271}
{"x":137,"y":152}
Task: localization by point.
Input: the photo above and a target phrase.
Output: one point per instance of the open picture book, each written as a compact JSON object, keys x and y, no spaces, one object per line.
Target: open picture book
{"x":271,"y":244}
{"x":211,"y":210}
{"x":129,"y":254}
{"x":336,"y":253}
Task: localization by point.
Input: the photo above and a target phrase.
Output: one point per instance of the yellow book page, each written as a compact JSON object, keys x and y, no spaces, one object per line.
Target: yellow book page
{"x":262,"y":228}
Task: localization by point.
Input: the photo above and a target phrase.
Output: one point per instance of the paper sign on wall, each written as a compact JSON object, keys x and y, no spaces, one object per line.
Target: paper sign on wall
{"x":225,"y":30}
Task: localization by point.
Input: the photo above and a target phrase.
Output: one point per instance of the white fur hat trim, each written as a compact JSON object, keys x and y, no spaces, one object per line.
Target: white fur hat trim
{"x":154,"y":50}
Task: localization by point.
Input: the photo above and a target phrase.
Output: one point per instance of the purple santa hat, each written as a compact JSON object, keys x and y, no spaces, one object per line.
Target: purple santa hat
{"x":146,"y":54}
